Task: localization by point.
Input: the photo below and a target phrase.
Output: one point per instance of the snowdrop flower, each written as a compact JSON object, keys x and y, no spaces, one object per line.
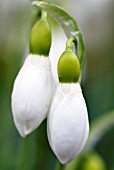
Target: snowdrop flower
{"x":34,"y":86}
{"x":68,"y":126}
{"x":32,"y":93}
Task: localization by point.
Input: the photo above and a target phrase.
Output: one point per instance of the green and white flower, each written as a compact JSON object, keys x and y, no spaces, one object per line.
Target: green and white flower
{"x":34,"y":86}
{"x":68,"y":125}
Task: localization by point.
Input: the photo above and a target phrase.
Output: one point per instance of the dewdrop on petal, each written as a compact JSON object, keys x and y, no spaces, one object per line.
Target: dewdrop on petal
{"x":68,"y":125}
{"x":34,"y":86}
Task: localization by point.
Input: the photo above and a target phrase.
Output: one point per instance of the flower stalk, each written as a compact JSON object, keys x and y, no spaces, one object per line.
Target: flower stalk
{"x":44,"y":14}
{"x":69,"y":43}
{"x":69,"y":25}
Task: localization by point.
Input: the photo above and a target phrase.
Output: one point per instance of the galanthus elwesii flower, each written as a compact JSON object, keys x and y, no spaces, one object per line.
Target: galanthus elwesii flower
{"x":32,"y":93}
{"x":68,"y":125}
{"x":34,"y":86}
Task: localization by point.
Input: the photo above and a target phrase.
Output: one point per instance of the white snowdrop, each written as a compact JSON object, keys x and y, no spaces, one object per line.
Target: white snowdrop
{"x":32,"y":93}
{"x":68,"y":125}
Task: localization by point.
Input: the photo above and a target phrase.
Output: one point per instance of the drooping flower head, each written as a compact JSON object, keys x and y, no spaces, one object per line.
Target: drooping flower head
{"x":34,"y":86}
{"x":68,"y":126}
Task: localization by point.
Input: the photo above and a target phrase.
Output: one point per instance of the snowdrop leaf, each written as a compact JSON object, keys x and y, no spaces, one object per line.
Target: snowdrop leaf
{"x":68,"y":23}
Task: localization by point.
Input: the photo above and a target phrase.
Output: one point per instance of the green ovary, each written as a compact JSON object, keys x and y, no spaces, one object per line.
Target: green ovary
{"x":40,"y":39}
{"x":68,"y":67}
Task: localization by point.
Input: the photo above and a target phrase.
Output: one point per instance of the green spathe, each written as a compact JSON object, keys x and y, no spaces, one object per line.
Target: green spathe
{"x":40,"y":38}
{"x":68,"y":67}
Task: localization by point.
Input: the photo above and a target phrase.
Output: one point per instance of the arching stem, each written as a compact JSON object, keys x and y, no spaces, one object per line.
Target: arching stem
{"x":44,"y":14}
{"x":69,"y":43}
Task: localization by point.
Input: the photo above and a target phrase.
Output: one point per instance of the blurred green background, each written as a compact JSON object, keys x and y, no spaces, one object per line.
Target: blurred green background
{"x":96,"y":19}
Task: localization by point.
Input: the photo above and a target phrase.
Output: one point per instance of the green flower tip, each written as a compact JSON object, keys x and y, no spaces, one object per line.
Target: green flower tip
{"x":68,"y":67}
{"x":40,"y":38}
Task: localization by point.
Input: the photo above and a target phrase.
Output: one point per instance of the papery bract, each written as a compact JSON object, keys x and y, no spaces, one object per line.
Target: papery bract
{"x":68,"y":126}
{"x":32,"y":93}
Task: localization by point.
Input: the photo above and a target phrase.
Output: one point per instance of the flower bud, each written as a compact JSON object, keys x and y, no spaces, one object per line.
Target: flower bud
{"x":40,"y":38}
{"x":68,"y":125}
{"x":68,"y":67}
{"x":32,"y":93}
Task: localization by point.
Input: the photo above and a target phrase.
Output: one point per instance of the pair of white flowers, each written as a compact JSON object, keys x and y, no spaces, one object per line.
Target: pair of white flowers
{"x":35,"y":98}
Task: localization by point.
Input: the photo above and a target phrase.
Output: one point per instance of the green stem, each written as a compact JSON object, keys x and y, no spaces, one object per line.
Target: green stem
{"x":69,"y":43}
{"x":44,"y":14}
{"x":69,"y":25}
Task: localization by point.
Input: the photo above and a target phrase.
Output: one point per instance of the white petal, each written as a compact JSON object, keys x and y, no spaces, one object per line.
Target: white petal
{"x":32,"y":94}
{"x":85,"y":135}
{"x":68,"y":122}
